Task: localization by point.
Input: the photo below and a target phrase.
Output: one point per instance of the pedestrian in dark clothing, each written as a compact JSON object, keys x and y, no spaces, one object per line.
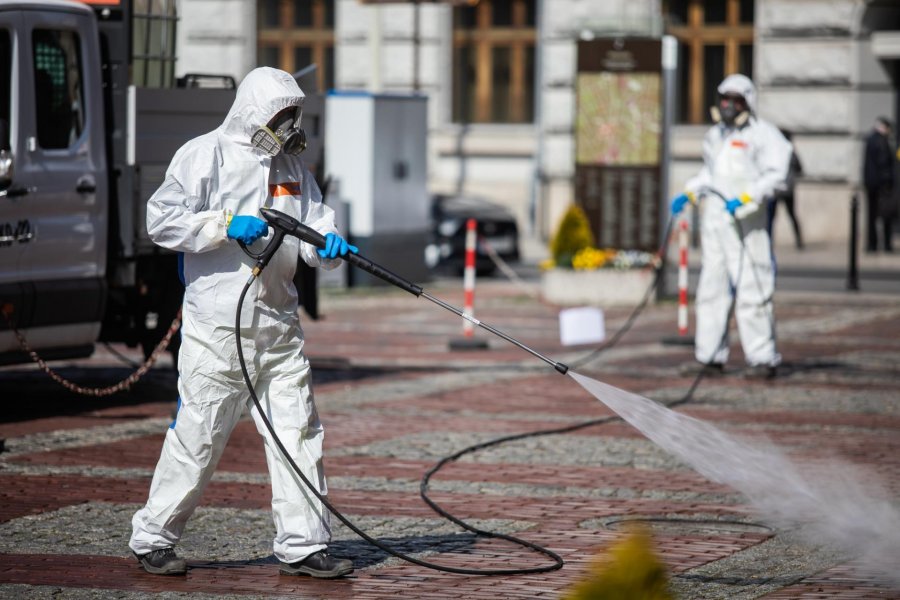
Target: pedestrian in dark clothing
{"x":785,"y":193}
{"x":878,"y":177}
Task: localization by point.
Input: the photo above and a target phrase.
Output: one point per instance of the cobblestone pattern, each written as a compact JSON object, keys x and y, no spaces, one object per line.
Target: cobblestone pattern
{"x":69,"y":484}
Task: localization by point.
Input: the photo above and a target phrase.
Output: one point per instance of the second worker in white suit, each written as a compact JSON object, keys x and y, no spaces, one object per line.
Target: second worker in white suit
{"x":744,"y":160}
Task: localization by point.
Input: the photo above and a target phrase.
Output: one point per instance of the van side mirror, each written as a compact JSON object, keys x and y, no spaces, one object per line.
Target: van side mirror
{"x":6,"y":161}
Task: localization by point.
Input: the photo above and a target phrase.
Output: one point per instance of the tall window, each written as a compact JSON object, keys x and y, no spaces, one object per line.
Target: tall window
{"x":153,"y":62}
{"x":715,"y":38}
{"x":493,"y":62}
{"x":293,"y":34}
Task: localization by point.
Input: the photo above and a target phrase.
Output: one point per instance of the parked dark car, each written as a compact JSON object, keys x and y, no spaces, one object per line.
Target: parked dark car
{"x":446,"y":248}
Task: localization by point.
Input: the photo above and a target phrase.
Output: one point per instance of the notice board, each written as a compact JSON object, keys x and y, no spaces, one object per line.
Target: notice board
{"x":618,"y":140}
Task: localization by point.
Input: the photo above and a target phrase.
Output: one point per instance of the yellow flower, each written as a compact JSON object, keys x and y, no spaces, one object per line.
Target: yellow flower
{"x":588,"y":259}
{"x":547,"y":264}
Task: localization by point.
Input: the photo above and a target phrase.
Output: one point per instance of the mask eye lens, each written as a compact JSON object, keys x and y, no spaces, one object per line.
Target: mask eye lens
{"x":732,"y":100}
{"x":282,"y":121}
{"x":284,"y":127}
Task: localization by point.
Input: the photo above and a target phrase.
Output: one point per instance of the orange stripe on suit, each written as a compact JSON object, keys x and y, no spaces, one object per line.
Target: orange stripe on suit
{"x":288,"y":188}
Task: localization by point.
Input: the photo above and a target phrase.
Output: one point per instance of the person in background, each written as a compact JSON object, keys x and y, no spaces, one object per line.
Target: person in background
{"x":878,"y":177}
{"x":784,"y":193}
{"x":745,"y":159}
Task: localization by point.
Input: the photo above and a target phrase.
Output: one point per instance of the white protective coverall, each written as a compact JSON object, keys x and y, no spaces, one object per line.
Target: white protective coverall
{"x":210,"y":176}
{"x":750,"y":160}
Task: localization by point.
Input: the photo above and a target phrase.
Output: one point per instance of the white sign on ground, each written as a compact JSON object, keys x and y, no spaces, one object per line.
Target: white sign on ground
{"x":581,"y":325}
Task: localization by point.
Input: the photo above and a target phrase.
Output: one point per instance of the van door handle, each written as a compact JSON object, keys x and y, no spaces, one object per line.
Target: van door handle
{"x":86,"y":185}
{"x":24,"y":234}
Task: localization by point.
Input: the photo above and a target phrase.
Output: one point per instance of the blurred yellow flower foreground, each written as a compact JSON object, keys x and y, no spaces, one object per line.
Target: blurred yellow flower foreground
{"x":628,"y":570}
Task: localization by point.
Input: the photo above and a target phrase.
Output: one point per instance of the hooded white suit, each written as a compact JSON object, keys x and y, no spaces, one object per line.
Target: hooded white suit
{"x":747,"y":161}
{"x":210,"y":177}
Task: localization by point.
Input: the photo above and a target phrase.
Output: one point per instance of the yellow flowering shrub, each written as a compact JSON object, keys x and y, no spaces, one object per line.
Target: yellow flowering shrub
{"x":572,"y":235}
{"x":573,"y":247}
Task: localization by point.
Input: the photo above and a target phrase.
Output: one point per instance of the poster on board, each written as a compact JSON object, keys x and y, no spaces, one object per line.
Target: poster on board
{"x":618,"y":136}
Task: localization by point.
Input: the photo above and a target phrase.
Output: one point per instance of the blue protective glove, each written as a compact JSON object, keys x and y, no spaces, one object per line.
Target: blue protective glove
{"x":732,"y":205}
{"x":336,"y":246}
{"x":247,"y":229}
{"x":678,"y":203}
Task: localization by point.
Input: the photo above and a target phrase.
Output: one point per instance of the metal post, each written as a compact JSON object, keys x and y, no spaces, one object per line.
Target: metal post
{"x":670,"y":81}
{"x":417,"y":47}
{"x":536,"y":199}
{"x":853,"y":271}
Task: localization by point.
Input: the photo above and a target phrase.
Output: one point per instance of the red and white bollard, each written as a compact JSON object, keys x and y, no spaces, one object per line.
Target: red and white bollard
{"x":469,"y":342}
{"x":469,"y":277}
{"x":683,"y":278}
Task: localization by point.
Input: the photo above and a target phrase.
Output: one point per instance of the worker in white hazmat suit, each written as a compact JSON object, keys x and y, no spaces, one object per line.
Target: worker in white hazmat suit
{"x":210,"y":198}
{"x":744,"y":158}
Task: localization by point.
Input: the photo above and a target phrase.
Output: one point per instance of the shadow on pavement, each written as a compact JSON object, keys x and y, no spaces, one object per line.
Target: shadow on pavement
{"x":363,"y":554}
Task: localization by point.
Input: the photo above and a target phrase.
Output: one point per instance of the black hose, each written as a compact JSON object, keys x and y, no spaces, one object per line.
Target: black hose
{"x":620,"y":333}
{"x":423,"y":485}
{"x":557,"y":560}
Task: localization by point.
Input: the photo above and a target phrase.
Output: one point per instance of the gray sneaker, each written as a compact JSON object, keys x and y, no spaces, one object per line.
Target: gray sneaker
{"x":162,"y":562}
{"x":319,"y":564}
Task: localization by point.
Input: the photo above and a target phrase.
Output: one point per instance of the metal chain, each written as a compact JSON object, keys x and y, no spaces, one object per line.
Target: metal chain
{"x":505,"y":268}
{"x":89,"y":391}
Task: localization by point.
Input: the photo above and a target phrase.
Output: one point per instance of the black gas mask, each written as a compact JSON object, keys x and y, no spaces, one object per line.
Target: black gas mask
{"x":731,"y":110}
{"x":282,"y":133}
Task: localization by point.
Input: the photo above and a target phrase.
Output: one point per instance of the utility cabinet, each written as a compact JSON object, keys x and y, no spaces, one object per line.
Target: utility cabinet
{"x":376,"y":151}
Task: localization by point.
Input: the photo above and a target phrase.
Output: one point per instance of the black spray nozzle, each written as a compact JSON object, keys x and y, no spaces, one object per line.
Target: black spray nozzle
{"x":291,"y":226}
{"x":288,"y":224}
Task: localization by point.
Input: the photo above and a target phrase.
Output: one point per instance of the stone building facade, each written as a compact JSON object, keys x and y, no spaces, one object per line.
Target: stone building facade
{"x":825,"y":69}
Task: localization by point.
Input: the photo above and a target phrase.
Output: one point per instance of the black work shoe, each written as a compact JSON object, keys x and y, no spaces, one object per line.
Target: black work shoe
{"x":714,"y":368}
{"x":761,"y":372}
{"x":319,"y":564}
{"x":162,"y":562}
{"x":711,"y":369}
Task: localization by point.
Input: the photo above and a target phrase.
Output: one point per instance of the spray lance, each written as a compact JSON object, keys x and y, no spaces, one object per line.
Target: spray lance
{"x":283,"y":225}
{"x":286,"y":225}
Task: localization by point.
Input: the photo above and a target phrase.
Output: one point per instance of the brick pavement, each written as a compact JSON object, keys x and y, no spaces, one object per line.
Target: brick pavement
{"x":71,"y":478}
